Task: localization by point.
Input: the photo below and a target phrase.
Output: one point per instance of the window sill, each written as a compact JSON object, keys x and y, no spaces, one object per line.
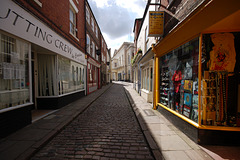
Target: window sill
{"x":74,"y":36}
{"x":38,"y":3}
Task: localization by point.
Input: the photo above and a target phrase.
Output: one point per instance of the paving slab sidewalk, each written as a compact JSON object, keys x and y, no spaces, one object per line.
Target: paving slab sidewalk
{"x":25,"y":142}
{"x":165,"y":140}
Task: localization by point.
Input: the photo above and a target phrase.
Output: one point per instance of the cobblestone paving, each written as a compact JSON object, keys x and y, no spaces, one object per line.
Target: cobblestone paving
{"x":108,"y":129}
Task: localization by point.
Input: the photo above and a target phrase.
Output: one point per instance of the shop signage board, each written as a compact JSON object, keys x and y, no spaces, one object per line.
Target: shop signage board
{"x":17,"y":21}
{"x":156,"y":23}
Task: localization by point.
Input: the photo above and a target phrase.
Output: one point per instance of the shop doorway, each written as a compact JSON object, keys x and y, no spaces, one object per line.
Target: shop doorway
{"x":36,"y":112}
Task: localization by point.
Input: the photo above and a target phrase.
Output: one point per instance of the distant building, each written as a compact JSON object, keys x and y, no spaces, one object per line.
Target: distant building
{"x":121,"y":66}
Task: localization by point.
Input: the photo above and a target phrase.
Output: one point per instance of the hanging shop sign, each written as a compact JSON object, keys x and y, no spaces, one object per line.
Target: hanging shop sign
{"x":156,"y":23}
{"x":17,"y":21}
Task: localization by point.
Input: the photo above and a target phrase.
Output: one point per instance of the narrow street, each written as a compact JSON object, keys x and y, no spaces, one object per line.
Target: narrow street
{"x":108,"y":129}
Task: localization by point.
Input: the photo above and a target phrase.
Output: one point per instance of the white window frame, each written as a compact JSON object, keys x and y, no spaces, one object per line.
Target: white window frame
{"x":92,"y":24}
{"x":87,"y":15}
{"x":73,"y":22}
{"x":88,"y":44}
{"x":96,"y":31}
{"x":94,"y":49}
{"x":38,"y":3}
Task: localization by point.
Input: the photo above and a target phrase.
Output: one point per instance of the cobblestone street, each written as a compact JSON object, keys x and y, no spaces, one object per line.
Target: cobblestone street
{"x":108,"y":129}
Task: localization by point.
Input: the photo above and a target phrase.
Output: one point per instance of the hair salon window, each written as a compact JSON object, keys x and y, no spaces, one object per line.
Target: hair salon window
{"x":71,"y":75}
{"x":14,"y":72}
{"x":179,"y":79}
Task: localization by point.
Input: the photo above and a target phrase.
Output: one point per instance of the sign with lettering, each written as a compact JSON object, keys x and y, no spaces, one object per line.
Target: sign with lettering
{"x":17,"y":21}
{"x":156,"y":23}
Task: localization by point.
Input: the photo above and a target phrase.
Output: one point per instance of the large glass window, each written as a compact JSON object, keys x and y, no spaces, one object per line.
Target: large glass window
{"x":179,"y":79}
{"x":220,"y":79}
{"x":92,"y":75}
{"x":71,"y":75}
{"x":14,"y":72}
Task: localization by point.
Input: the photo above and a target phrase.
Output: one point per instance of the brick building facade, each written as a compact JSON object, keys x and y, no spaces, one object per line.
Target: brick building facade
{"x":48,"y":55}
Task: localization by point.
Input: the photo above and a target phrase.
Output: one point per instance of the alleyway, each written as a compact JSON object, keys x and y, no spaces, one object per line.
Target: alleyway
{"x":108,"y":129}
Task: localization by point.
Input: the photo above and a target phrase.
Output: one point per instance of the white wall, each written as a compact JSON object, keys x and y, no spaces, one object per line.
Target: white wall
{"x":141,"y":39}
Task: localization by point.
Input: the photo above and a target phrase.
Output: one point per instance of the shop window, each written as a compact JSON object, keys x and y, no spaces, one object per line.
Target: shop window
{"x":70,"y":77}
{"x":151,"y":80}
{"x":14,"y":72}
{"x":179,"y":80}
{"x":92,"y":75}
{"x":220,"y":80}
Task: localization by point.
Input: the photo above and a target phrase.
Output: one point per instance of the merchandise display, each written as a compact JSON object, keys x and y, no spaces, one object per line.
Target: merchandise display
{"x":214,"y":97}
{"x":176,"y":80}
{"x":219,"y":77}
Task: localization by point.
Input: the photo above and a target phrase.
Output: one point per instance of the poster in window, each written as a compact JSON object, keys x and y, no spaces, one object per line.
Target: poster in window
{"x":188,"y":85}
{"x":188,"y":99}
{"x":194,"y":113}
{"x":186,"y":111}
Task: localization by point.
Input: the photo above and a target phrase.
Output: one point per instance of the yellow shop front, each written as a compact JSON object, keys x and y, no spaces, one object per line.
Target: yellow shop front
{"x":197,"y":74}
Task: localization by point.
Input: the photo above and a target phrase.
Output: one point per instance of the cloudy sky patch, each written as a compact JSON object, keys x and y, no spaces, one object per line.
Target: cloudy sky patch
{"x":116,"y":19}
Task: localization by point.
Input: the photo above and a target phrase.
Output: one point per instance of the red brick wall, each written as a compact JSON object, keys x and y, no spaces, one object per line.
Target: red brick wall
{"x":55,"y":14}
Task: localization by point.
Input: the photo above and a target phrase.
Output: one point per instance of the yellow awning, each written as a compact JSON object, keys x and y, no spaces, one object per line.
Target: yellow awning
{"x":210,"y":16}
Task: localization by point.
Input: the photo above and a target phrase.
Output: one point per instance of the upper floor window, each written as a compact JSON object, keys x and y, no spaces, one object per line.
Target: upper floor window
{"x":87,"y":15}
{"x":129,"y":59}
{"x":88,"y":44}
{"x":72,"y":18}
{"x":93,"y":24}
{"x":94,"y":48}
{"x":96,"y":31}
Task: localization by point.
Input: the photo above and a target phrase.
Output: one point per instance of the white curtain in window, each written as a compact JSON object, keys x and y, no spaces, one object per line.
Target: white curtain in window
{"x":47,"y":75}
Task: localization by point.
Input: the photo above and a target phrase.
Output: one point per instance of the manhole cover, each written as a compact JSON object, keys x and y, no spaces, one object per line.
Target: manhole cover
{"x":149,"y":112}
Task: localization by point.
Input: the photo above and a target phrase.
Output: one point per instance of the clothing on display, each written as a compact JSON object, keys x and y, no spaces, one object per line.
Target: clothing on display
{"x":222,"y":55}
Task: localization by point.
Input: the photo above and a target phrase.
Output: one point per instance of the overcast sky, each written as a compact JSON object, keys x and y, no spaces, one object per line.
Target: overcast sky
{"x":116,"y":19}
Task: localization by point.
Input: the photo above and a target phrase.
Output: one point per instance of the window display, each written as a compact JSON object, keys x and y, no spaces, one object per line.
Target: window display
{"x":220,"y":74}
{"x":179,"y":78}
{"x":14,"y":72}
{"x":92,"y":75}
{"x":219,"y":78}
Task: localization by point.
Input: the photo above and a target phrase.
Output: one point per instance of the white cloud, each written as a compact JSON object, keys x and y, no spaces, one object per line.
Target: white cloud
{"x":116,"y":19}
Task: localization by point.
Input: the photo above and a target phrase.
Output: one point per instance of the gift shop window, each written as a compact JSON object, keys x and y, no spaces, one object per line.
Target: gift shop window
{"x":220,"y":80}
{"x":179,"y":79}
{"x":14,"y":72}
